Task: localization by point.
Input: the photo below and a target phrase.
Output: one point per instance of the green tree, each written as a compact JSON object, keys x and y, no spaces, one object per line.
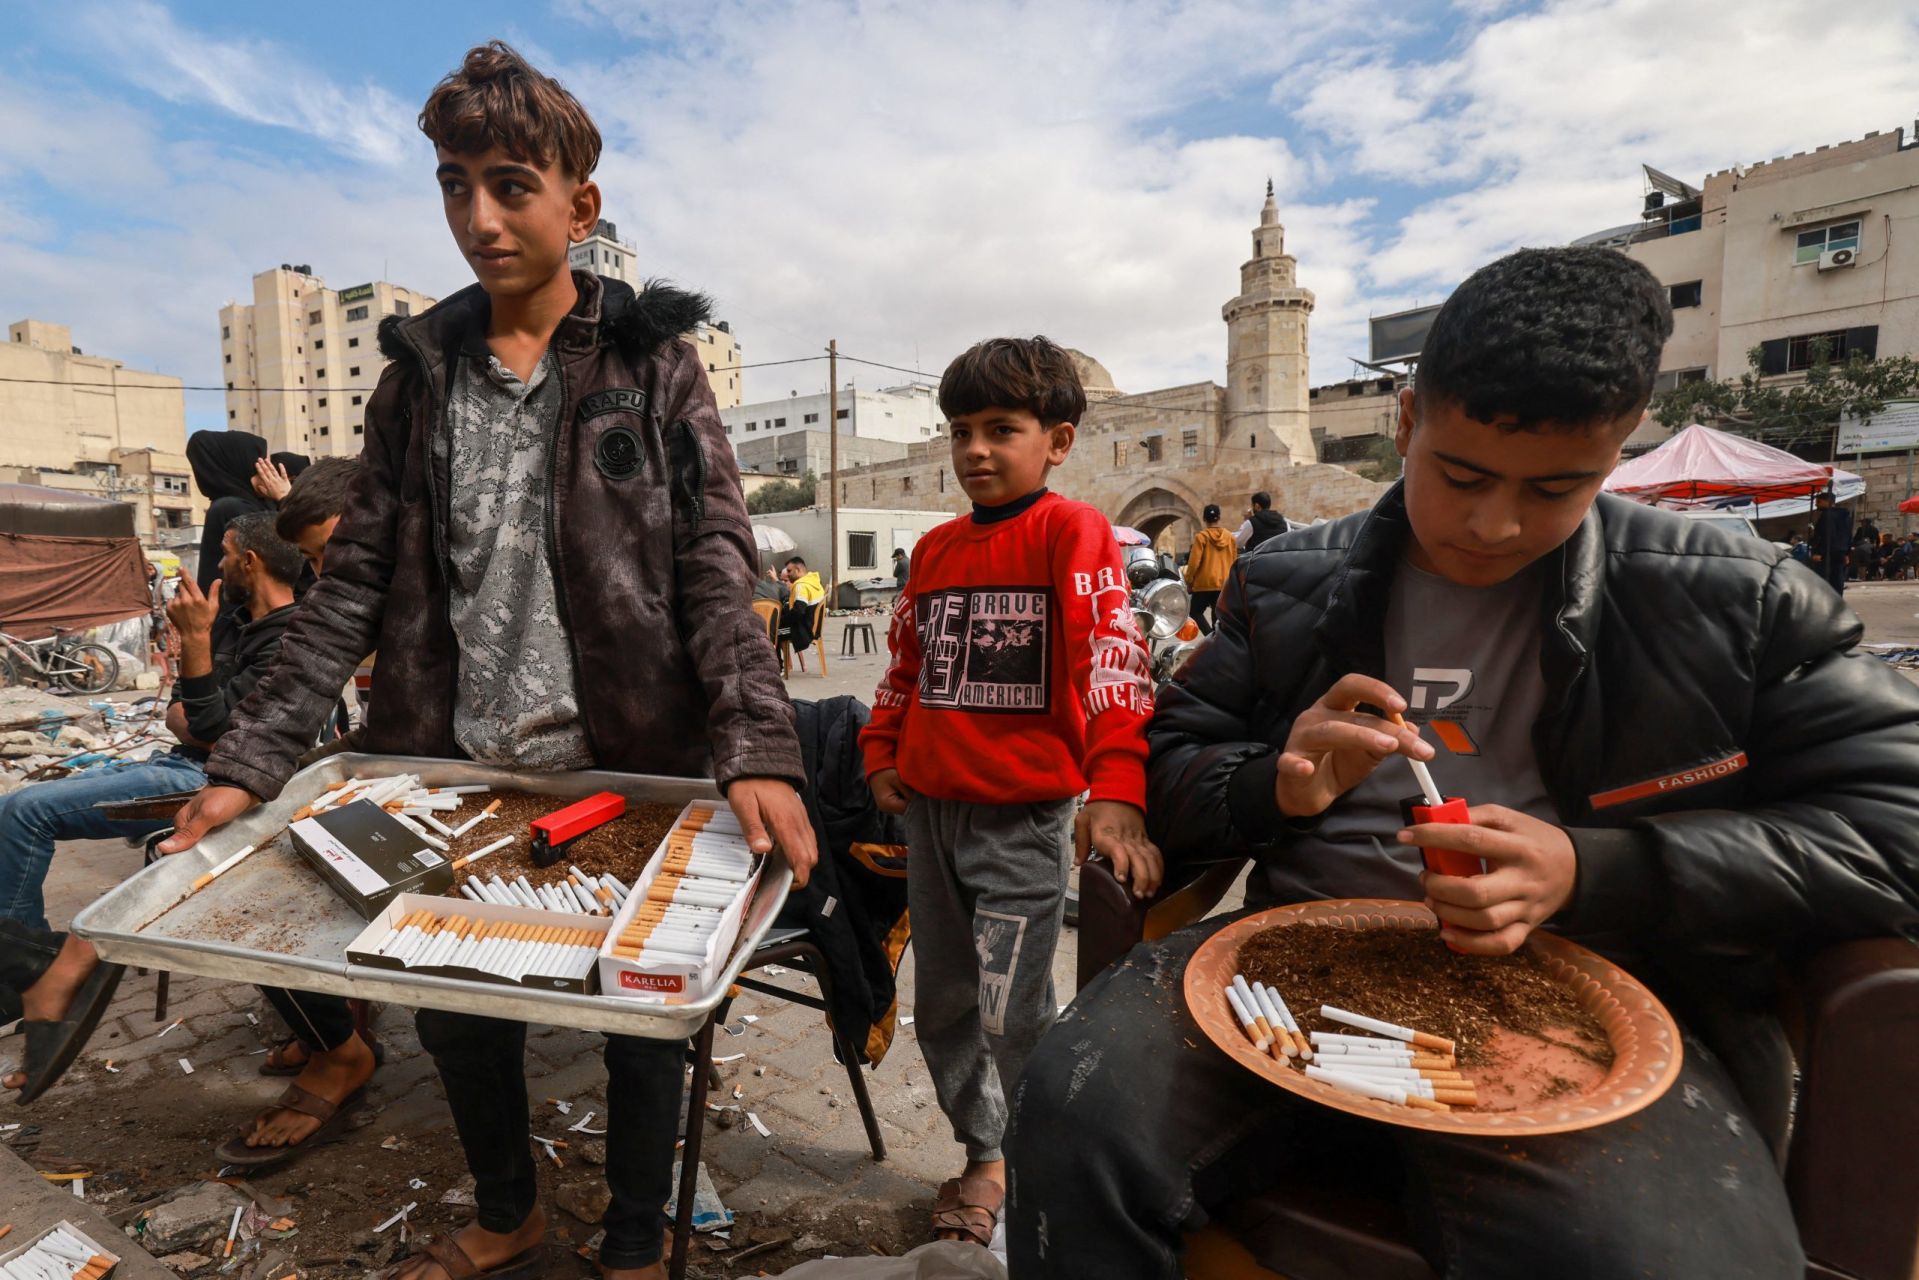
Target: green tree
{"x":1381,"y":461}
{"x":783,"y":495}
{"x":1791,"y":415}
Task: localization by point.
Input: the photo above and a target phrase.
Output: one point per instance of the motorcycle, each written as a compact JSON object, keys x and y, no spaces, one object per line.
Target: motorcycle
{"x":1163,"y":610}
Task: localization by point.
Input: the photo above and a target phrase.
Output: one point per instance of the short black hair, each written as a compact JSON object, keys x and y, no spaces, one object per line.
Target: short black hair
{"x":798,"y":560}
{"x":1034,"y":374}
{"x":318,"y":495}
{"x":1211,"y":514}
{"x":898,"y":552}
{"x":1263,"y":500}
{"x":1569,"y":337}
{"x":254,"y":532}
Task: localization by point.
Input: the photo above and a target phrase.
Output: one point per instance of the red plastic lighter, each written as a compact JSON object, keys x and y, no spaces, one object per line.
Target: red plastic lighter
{"x":555,"y":831}
{"x":1447,"y":862}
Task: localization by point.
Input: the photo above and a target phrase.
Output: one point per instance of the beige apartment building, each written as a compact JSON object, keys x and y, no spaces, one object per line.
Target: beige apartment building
{"x":88,"y":423}
{"x":300,"y":360}
{"x":605,"y":254}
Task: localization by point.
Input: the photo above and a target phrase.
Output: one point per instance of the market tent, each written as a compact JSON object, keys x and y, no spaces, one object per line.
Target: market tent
{"x":1702,"y":465}
{"x":67,"y":559}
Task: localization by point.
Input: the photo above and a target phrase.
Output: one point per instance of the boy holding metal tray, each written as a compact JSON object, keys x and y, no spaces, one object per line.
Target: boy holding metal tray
{"x":1674,"y":755}
{"x":548,"y":546}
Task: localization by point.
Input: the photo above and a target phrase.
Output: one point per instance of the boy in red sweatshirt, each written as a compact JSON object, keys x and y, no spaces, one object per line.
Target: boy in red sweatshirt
{"x":1018,"y":681}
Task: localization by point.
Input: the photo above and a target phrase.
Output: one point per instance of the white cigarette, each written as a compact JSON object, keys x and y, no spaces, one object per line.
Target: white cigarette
{"x":1265,"y":999}
{"x":1393,"y":1029}
{"x":1246,"y":1019}
{"x":1424,"y":777}
{"x":616,"y":886}
{"x":437,"y":825}
{"x":234,"y":1228}
{"x":468,"y":891}
{"x":1362,"y":1043}
{"x":396,"y":1217}
{"x":465,"y":789}
{"x":221,"y":868}
{"x":547,"y":900}
{"x":1356,"y":1084}
{"x":479,"y":853}
{"x":421,"y":832}
{"x":580,"y":893}
{"x":471,"y":823}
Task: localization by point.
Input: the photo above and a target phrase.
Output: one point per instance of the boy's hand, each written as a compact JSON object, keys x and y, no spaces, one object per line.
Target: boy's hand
{"x":1332,"y":746}
{"x":771,"y":804}
{"x":210,"y":809}
{"x":889,"y":793}
{"x":1118,"y":830}
{"x":1534,"y":868}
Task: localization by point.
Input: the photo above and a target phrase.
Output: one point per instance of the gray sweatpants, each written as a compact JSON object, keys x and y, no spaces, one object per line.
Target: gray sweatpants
{"x":985,"y":889}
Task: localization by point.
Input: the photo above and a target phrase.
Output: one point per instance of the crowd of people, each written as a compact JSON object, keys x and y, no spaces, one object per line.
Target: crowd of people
{"x":1016,"y":732}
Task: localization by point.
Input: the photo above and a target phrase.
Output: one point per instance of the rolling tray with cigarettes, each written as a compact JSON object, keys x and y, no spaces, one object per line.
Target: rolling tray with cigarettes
{"x":611,"y":902}
{"x":1359,"y":1006}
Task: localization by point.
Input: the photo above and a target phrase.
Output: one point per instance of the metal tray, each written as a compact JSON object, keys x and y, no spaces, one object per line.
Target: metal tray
{"x":272,"y":920}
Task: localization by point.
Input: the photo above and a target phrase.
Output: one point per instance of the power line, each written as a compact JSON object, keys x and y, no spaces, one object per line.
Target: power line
{"x":918,"y":373}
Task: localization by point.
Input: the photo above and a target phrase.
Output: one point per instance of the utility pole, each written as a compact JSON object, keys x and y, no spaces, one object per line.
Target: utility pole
{"x":833,"y":471}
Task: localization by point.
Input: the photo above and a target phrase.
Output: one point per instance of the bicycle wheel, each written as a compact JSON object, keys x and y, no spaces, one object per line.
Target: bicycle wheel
{"x":86,"y":668}
{"x":9,"y":670}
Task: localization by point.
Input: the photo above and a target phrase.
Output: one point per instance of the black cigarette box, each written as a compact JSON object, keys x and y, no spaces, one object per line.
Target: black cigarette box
{"x":369,"y":856}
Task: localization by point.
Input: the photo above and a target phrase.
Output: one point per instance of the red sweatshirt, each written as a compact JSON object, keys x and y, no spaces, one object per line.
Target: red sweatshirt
{"x":1018,"y":673}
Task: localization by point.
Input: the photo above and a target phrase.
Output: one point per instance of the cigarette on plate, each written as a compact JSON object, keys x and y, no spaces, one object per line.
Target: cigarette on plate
{"x":202,"y":881}
{"x":501,"y":843}
{"x":1438,"y":1044}
{"x":1245,"y":1015}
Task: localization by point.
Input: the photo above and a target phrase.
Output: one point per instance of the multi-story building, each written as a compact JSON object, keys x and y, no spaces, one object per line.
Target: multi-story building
{"x":720,"y":351}
{"x":605,"y":254}
{"x":795,"y":453}
{"x":300,"y":360}
{"x":907,"y":414}
{"x":88,"y":423}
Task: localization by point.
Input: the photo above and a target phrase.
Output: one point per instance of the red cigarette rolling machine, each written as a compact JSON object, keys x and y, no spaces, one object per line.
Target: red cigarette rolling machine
{"x":551,"y":834}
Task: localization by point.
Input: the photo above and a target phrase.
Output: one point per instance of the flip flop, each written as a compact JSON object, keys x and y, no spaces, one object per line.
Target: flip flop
{"x":52,"y":1046}
{"x":333,"y":1117}
{"x":969,"y":1206}
{"x":453,"y":1260}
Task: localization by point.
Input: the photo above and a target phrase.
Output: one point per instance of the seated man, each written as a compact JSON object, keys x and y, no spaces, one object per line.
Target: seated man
{"x":800,"y":620}
{"x":1677,"y":756}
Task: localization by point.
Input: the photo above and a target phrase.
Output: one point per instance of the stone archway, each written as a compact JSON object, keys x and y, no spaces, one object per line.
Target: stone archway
{"x":1167,"y":517}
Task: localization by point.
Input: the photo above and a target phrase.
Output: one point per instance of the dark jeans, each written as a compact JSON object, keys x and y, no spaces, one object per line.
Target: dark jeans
{"x":25,"y":954}
{"x":482,"y":1063}
{"x":796,"y":623}
{"x":1205,"y":607}
{"x":321,"y":1022}
{"x":1128,"y":1126}
{"x":1833,"y":569}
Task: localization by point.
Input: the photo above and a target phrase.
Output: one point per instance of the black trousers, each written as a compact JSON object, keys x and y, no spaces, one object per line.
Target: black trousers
{"x":482,"y":1063}
{"x":796,"y":623}
{"x":1205,"y":607}
{"x":320,"y":1022}
{"x":26,"y":953}
{"x":1129,"y":1124}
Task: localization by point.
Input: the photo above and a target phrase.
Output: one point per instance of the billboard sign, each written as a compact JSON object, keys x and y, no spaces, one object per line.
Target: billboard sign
{"x":358,"y":293}
{"x":1402,"y":335}
{"x":1894,"y":427}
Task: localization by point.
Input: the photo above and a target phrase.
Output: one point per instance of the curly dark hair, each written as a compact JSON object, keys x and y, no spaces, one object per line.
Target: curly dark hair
{"x":1568,"y":338}
{"x":497,"y":98}
{"x":1034,"y":374}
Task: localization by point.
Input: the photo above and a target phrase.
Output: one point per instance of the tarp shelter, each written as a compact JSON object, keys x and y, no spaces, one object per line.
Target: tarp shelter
{"x":67,"y":559}
{"x":1700,"y":467}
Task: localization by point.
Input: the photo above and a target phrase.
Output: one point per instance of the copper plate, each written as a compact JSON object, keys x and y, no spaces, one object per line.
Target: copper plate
{"x":1644,"y":1036}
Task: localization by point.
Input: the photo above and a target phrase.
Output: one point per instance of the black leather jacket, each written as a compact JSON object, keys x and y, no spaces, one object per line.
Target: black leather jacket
{"x":1736,"y":777}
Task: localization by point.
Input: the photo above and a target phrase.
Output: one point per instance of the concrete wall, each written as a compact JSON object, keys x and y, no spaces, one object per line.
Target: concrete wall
{"x":58,"y":408}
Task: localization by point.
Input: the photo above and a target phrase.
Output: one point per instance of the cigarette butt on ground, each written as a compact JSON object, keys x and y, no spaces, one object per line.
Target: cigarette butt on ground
{"x":5,"y":1229}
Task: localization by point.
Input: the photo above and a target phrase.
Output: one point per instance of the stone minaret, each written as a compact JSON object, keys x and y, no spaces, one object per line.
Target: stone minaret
{"x":1266,"y":401}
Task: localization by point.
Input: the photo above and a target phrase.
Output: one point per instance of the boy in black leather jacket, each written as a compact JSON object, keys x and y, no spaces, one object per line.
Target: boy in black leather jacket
{"x":1674,"y":754}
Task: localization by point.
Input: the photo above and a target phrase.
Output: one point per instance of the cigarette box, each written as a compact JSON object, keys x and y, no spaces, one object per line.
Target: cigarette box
{"x":671,"y":982}
{"x":98,"y":1249}
{"x":369,"y":856}
{"x":364,"y":949}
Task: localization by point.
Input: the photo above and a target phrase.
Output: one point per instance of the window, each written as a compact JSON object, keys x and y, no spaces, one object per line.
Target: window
{"x":590,"y":256}
{"x":319,"y":375}
{"x":323,"y":402}
{"x":358,"y":429}
{"x":811,"y":417}
{"x":906,"y":484}
{"x":1252,"y":441}
{"x":729,"y":428}
{"x":402,"y":308}
{"x":1189,"y":444}
{"x":1675,"y":377}
{"x":313,"y":317}
{"x":752,"y":426}
{"x":942,"y":479}
{"x":231,"y":415}
{"x":844,"y":413}
{"x":779,"y":422}
{"x":323,"y":430}
{"x":843,"y":494}
{"x":1152,"y":449}
{"x":356,"y":399}
{"x":1685,"y":295}
{"x":226,"y":331}
{"x":229,"y":386}
{"x":319,"y":344}
{"x":303,"y":379}
{"x":860,"y":550}
{"x":355,"y":313}
{"x":354,"y":372}
{"x":1809,"y":349}
{"x":229,"y":357}
{"x":1119,"y":453}
{"x":353,"y":342}
{"x":1840,"y":235}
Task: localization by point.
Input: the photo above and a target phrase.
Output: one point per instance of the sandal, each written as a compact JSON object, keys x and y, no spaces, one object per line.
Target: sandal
{"x":969,"y":1206}
{"x":52,"y":1046}
{"x":275,"y":1063}
{"x":452,"y":1259}
{"x":333,"y":1117}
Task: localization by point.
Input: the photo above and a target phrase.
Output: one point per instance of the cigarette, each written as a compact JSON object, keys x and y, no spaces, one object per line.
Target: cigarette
{"x":396,"y":1217}
{"x":1357,"y":1084}
{"x":1260,"y":1042}
{"x":1292,"y":1024}
{"x":1426,"y":1041}
{"x":1346,"y":1052}
{"x":437,"y":825}
{"x":202,"y":881}
{"x":1421,"y":774}
{"x":476,"y":819}
{"x":471,"y":789}
{"x":468,"y":891}
{"x":421,"y":832}
{"x":233,"y":1230}
{"x":1283,"y":1042}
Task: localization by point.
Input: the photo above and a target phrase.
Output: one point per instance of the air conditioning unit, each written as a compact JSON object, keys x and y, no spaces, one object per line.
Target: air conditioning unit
{"x":1837,"y":259}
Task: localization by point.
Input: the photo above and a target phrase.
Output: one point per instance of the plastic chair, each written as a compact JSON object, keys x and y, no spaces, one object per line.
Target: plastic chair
{"x":770,"y":615}
{"x":819,"y":643}
{"x":1854,"y":1018}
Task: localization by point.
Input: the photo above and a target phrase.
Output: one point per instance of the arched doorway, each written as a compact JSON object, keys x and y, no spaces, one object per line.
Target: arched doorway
{"x":1167,"y":517}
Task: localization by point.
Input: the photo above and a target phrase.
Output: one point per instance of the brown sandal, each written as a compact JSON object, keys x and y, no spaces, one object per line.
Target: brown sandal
{"x":333,"y":1117}
{"x":969,"y":1206}
{"x":452,"y":1259}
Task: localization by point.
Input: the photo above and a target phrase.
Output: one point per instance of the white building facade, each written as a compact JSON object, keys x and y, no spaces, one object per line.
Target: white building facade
{"x":906,"y":414}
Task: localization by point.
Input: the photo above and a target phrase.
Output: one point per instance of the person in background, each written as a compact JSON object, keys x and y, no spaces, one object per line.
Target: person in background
{"x":1211,"y":558}
{"x":226,"y":472}
{"x":1262,"y":522}
{"x":901,"y":567}
{"x":1831,"y":541}
{"x":770,"y":586}
{"x":1800,"y":549}
{"x":800,"y":620}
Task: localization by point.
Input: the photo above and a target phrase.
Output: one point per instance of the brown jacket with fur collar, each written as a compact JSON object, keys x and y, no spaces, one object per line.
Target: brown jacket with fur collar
{"x":652,"y":554}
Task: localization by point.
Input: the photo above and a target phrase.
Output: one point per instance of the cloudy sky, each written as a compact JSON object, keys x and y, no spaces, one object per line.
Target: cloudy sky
{"x":906,"y":177}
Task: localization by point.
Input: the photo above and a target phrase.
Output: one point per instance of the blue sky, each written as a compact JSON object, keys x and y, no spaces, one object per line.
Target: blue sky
{"x":904,"y":177}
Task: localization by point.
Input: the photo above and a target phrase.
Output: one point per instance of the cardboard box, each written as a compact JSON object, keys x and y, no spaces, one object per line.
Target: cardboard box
{"x":370,"y":857}
{"x":664,"y":981}
{"x":77,"y":1234}
{"x":363,"y":949}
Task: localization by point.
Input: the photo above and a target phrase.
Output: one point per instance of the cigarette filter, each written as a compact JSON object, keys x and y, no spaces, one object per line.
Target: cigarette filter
{"x":1393,"y":1029}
